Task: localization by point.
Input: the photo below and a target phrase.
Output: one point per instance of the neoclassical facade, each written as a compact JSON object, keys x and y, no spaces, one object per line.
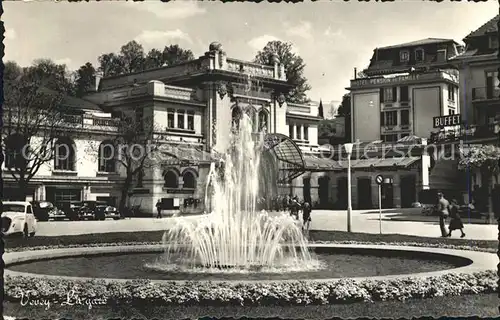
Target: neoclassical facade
{"x":194,"y":106}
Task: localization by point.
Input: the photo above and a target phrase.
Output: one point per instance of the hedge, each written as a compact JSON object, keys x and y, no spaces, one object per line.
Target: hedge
{"x":142,"y":292}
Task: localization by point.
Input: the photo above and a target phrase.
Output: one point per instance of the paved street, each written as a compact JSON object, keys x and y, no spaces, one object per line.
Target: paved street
{"x":362,"y":221}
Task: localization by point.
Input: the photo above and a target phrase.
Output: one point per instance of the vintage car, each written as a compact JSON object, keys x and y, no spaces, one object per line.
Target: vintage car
{"x":18,"y":218}
{"x":44,"y":211}
{"x":103,"y":212}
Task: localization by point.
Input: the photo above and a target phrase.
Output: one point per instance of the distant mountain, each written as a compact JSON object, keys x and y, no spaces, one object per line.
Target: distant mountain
{"x":329,"y":108}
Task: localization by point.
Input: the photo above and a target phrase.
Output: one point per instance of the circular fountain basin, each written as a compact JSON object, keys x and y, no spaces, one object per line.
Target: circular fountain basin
{"x":123,"y":263}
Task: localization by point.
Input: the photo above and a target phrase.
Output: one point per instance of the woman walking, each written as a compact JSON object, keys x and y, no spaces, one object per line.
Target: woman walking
{"x":456,"y":221}
{"x":306,"y":217}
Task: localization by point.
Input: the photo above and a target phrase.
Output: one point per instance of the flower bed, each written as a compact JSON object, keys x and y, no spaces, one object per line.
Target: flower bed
{"x":141,"y":292}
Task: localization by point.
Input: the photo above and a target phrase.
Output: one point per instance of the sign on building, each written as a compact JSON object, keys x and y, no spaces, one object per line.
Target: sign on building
{"x":447,"y":121}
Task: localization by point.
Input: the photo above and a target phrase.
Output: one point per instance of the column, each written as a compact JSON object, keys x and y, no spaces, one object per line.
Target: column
{"x":185,"y":119}
{"x":302,"y":132}
{"x":175,"y":118}
{"x":294,"y":131}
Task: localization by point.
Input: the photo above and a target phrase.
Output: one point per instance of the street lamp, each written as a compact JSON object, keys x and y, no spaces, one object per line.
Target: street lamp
{"x":348,"y":149}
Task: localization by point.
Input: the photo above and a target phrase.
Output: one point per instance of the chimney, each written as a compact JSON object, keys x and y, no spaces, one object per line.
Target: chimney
{"x":98,"y":76}
{"x":355,"y":73}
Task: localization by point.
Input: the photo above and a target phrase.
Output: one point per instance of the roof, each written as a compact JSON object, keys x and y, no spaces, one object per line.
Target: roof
{"x":80,"y":103}
{"x":418,"y":43}
{"x":314,"y":163}
{"x":488,"y":27}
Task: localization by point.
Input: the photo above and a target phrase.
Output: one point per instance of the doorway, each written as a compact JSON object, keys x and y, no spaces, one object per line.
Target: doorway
{"x":408,"y":191}
{"x":307,"y":189}
{"x":341,"y":203}
{"x":323,"y":184}
{"x":365,"y":193}
{"x":387,"y":196}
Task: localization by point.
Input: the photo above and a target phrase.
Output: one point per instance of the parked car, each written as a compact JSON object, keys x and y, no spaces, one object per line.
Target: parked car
{"x":103,"y":212}
{"x":44,"y":211}
{"x":86,"y":209}
{"x":18,"y":218}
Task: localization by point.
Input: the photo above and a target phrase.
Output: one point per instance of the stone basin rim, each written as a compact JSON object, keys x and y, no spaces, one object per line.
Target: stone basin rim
{"x":479,"y":262}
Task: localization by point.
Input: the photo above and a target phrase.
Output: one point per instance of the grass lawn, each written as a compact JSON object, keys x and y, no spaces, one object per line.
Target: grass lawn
{"x":482,"y":305}
{"x":155,"y":236}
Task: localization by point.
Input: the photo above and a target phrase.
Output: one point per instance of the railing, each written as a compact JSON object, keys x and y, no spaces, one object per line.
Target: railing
{"x":250,"y":68}
{"x":485,"y":93}
{"x":484,"y":131}
{"x":180,"y":93}
{"x":105,"y":122}
{"x":294,"y":107}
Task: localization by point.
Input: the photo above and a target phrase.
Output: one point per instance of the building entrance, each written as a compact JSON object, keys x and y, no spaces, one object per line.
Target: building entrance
{"x":408,"y":191}
{"x":307,"y":190}
{"x":387,"y":196}
{"x":364,"y":193}
{"x":341,"y":203}
{"x":323,"y":183}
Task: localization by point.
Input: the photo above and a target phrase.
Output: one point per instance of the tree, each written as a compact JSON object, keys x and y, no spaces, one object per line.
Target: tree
{"x":294,"y":68}
{"x":486,"y":159}
{"x":111,"y":64}
{"x":344,"y":110}
{"x":174,"y":54}
{"x":34,"y":116}
{"x":134,"y":146}
{"x":320,"y":109}
{"x":132,"y":55}
{"x":85,"y":77}
{"x":154,"y":59}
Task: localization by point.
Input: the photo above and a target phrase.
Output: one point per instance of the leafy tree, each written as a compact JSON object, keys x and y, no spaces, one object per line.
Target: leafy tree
{"x":174,"y":54}
{"x":154,"y":59}
{"x":132,"y":55}
{"x":12,"y":71}
{"x":320,"y":109}
{"x":85,"y":77}
{"x":111,"y":64}
{"x":344,"y":110}
{"x":294,"y":68}
{"x":33,"y":117}
{"x":485,"y":159}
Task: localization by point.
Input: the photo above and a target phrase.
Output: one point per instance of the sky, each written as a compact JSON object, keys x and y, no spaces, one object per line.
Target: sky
{"x":333,"y":37}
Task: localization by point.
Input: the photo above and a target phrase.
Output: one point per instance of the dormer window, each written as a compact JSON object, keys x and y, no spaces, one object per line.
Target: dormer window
{"x":404,"y":56}
{"x":493,"y":42}
{"x":419,"y":55}
{"x":441,"y":55}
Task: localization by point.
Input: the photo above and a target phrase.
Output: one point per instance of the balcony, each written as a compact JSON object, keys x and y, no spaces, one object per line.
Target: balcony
{"x":473,"y":132}
{"x":485,"y":93}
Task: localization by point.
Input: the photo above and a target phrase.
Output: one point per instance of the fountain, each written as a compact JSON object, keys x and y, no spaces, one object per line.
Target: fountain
{"x":235,"y":234}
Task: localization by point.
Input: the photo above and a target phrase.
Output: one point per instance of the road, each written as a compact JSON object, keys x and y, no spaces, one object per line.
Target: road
{"x":365,"y":221}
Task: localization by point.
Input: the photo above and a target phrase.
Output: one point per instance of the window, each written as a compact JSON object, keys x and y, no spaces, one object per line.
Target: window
{"x":189,"y":180}
{"x":441,"y":55}
{"x":451,"y":92}
{"x":306,"y":132}
{"x":388,"y":94}
{"x":405,"y":117}
{"x":404,"y":56}
{"x":493,"y":42}
{"x":140,"y":178}
{"x":14,"y":158}
{"x":28,"y":210}
{"x":64,"y":157}
{"x":262,"y":121}
{"x":139,"y":119}
{"x":190,"y":124}
{"x":391,"y":118}
{"x":180,"y":119}
{"x":419,"y":55}
{"x":106,"y":157}
{"x":236,"y":116}
{"x":451,"y":111}
{"x":299,"y":133}
{"x":382,"y":119}
{"x":170,"y":118}
{"x":290,"y":131}
{"x":390,"y":137}
{"x":403,"y":94}
{"x":171,"y":180}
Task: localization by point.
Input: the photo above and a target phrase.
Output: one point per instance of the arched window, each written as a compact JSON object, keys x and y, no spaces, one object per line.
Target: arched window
{"x":236,"y":116}
{"x":252,"y":114}
{"x":64,"y":156}
{"x":107,"y":156}
{"x":189,"y":180}
{"x":14,"y":157}
{"x":171,"y":179}
{"x":262,"y":120}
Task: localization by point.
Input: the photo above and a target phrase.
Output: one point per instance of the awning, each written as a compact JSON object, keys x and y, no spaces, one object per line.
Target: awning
{"x":315,"y":163}
{"x":184,"y":155}
{"x":375,"y":163}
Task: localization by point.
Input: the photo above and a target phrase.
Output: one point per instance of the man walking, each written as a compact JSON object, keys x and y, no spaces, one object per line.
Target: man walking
{"x":158,"y":209}
{"x":443,"y":211}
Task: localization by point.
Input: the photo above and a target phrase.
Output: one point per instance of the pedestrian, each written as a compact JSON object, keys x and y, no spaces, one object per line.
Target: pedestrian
{"x":158,"y":209}
{"x":442,"y":208}
{"x":306,"y":216}
{"x":455,"y":220}
{"x":286,"y":203}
